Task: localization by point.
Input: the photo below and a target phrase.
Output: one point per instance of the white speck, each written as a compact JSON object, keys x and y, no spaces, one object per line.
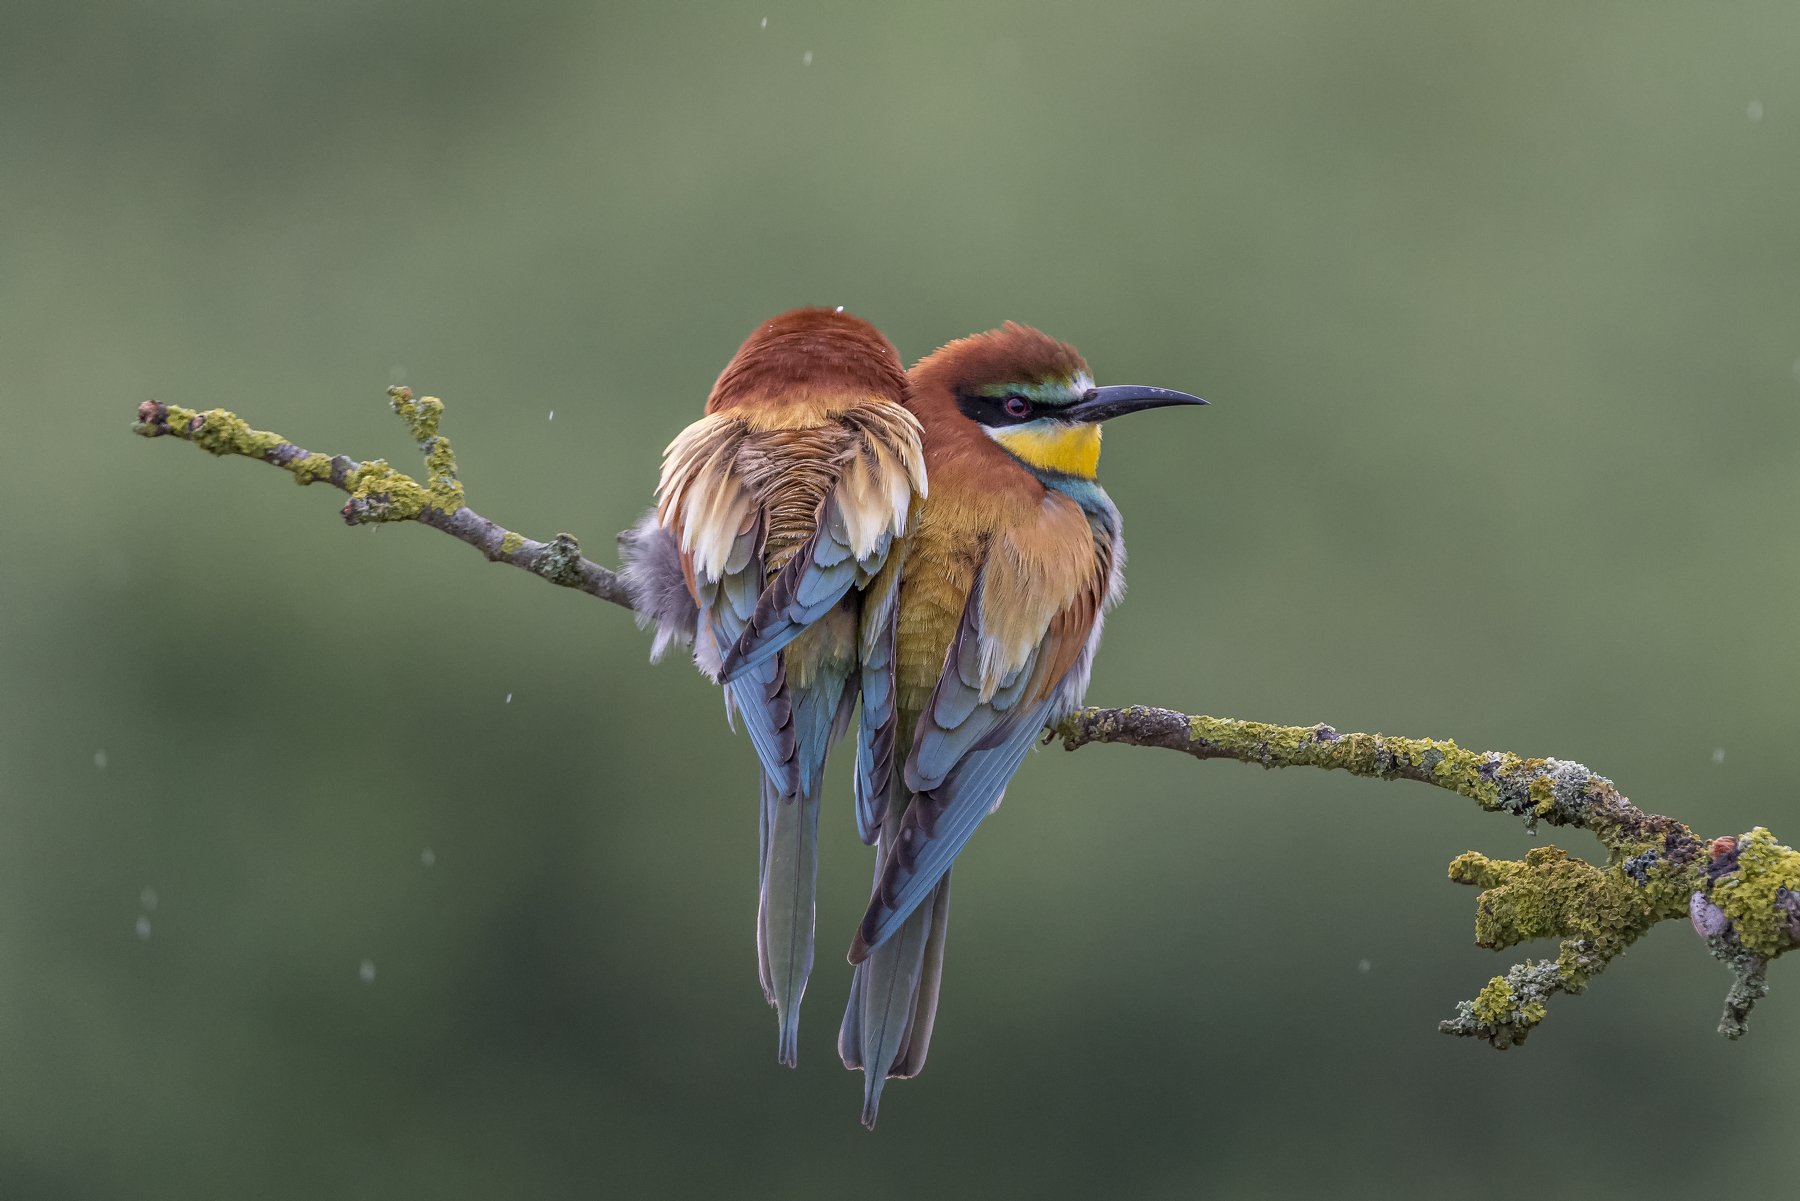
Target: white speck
{"x":553,"y":414}
{"x":765,"y":23}
{"x":509,"y":698}
{"x":366,"y":973}
{"x":1753,"y":110}
{"x":427,"y":857}
{"x":143,"y":928}
{"x":1718,"y":754}
{"x":100,"y":760}
{"x":148,"y":898}
{"x":1363,"y":966}
{"x":806,"y":59}
{"x":840,"y":308}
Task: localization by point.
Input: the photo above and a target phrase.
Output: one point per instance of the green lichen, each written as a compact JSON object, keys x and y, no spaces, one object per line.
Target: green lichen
{"x":1498,"y":1004}
{"x":421,"y":416}
{"x":1436,"y":761}
{"x":1462,"y":772}
{"x":511,"y":543}
{"x":222,"y":432}
{"x":1749,"y":893}
{"x":379,"y":493}
{"x":560,"y":561}
{"x":314,"y":468}
{"x":1495,"y":1002}
{"x":1653,"y":864}
{"x":1597,"y":912}
{"x":1508,"y":1008}
{"x":444,"y":491}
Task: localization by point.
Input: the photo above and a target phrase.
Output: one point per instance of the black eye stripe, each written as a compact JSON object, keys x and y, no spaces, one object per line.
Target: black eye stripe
{"x":992,"y":411}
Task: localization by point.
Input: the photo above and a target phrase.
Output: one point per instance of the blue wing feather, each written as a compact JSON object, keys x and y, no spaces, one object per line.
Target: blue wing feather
{"x":809,"y":586}
{"x":964,"y":752}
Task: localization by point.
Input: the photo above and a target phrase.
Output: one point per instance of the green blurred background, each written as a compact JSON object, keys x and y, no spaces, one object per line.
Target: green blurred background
{"x":1497,"y":308}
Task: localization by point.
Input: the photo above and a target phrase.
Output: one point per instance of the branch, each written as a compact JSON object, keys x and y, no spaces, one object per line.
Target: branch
{"x":379,"y":494}
{"x":1741,"y":893}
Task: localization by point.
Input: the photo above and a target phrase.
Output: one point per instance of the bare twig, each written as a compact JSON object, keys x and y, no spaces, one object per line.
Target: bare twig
{"x":1742,"y":892}
{"x":378,"y":493}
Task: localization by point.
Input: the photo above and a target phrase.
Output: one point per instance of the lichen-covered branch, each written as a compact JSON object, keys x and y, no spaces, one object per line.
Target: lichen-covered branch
{"x":1742,"y":893}
{"x":378,"y":493}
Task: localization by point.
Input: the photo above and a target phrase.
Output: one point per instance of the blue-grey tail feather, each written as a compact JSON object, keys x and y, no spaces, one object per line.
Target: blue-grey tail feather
{"x":894,"y":993}
{"x":785,"y":909}
{"x":788,"y":879}
{"x":893,"y":1002}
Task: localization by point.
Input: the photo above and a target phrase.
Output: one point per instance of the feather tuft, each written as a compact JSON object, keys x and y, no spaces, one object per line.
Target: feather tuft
{"x":659,"y":592}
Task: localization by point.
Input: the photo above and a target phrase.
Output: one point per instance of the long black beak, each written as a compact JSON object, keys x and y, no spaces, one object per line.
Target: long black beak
{"x":1101,"y":404}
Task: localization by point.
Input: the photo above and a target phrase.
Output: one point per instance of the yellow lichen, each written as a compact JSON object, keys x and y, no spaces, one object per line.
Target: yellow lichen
{"x":1748,"y":894}
{"x":1494,"y":1004}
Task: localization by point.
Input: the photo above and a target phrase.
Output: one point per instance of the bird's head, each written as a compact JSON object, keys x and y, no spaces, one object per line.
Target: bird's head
{"x":1031,"y":394}
{"x":807,"y":359}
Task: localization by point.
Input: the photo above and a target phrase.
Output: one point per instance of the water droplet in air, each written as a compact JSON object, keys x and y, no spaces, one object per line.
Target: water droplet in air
{"x":765,"y":23}
{"x":148,"y":898}
{"x":553,"y":414}
{"x":509,"y":698}
{"x":427,"y":857}
{"x":1363,"y":966}
{"x":840,"y":308}
{"x":100,"y":760}
{"x":806,"y":59}
{"x":143,"y":927}
{"x":1754,"y":110}
{"x":1718,"y":754}
{"x":366,"y":973}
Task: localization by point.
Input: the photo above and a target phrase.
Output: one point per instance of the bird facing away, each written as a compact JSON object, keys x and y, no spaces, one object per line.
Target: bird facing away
{"x":949,"y":562}
{"x":979,"y":632}
{"x":775,"y":510}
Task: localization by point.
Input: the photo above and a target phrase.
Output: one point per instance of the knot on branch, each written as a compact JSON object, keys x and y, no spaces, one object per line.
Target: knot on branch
{"x":378,"y":494}
{"x":1747,"y":909}
{"x":1754,"y":884}
{"x":560,"y":562}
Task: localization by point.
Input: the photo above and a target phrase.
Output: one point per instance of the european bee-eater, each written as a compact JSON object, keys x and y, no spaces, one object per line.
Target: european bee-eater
{"x":950,"y":562}
{"x":985,"y":624}
{"x":774,"y":511}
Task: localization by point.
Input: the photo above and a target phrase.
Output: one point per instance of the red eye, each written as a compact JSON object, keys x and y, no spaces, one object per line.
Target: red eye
{"x":1016,"y":406}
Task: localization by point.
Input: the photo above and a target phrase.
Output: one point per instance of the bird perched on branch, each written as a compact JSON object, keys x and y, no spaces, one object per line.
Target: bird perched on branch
{"x":968,"y":626}
{"x":775,"y":510}
{"x":984,"y":627}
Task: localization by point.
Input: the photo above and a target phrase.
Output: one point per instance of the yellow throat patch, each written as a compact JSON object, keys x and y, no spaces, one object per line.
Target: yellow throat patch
{"x":1070,"y":449}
